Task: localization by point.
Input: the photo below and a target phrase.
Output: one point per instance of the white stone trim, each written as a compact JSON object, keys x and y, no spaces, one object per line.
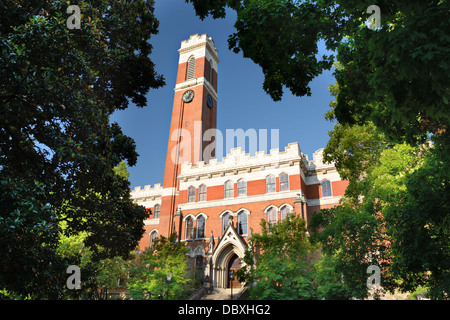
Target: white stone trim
{"x":324,"y":201}
{"x":270,"y":206}
{"x":200,"y":46}
{"x":240,"y":200}
{"x":248,"y":212}
{"x":169,"y":192}
{"x":151,"y":222}
{"x":286,"y":205}
{"x":240,"y":161}
{"x":147,"y":192}
{"x":191,"y":83}
{"x":196,"y":216}
{"x":226,"y":211}
{"x":219,"y":179}
{"x":198,"y":251}
{"x":187,"y":216}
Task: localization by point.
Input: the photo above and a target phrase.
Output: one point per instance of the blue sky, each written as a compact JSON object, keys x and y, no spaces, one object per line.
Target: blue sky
{"x":242,"y":101}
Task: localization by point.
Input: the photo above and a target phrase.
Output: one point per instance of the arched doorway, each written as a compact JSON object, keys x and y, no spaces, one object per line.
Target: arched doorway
{"x":225,"y":257}
{"x":234,"y":265}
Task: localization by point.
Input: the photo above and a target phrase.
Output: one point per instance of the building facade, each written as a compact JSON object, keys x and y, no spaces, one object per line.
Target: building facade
{"x":214,"y":206}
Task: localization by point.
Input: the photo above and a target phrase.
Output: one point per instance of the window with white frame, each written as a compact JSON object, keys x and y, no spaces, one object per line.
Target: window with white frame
{"x":153,"y":236}
{"x":284,"y":182}
{"x":285,"y":211}
{"x":271,"y":216}
{"x":270,"y":184}
{"x":229,"y":189}
{"x":156,"y":211}
{"x":225,"y":219}
{"x":189,"y":228}
{"x":242,"y":226}
{"x":202,"y":193}
{"x":241,"y":187}
{"x":191,"y":194}
{"x":326,"y":188}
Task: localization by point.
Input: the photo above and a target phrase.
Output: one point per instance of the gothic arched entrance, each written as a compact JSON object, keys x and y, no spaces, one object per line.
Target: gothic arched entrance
{"x":225,"y":257}
{"x":234,"y":265}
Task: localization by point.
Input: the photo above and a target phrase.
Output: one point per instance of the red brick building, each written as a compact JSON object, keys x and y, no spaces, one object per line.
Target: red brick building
{"x":214,"y":205}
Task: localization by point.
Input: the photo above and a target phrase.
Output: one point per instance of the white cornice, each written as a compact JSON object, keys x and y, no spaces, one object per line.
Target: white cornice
{"x":197,"y":82}
{"x":239,"y":200}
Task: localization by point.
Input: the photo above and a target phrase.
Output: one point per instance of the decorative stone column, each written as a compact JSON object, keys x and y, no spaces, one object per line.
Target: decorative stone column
{"x":209,"y":274}
{"x":300,"y":206}
{"x":177,"y":224}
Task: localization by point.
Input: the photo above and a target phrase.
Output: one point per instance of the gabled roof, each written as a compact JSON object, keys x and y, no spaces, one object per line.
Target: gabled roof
{"x":231,"y":236}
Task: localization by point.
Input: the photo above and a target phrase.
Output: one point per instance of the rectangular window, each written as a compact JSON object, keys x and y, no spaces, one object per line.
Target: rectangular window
{"x":202,"y":193}
{"x":242,"y":188}
{"x":242,"y":223}
{"x":224,"y":222}
{"x":270,"y":184}
{"x":326,"y":188}
{"x":189,"y":228}
{"x":191,"y":194}
{"x":271,"y":217}
{"x":284,"y":182}
{"x":156,"y":211}
{"x":229,"y":189}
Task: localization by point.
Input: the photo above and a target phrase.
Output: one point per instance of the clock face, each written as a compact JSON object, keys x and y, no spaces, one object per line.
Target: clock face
{"x":209,"y":101}
{"x":188,"y":96}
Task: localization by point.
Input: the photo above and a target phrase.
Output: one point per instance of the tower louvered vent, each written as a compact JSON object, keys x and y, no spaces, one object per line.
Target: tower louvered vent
{"x":191,"y":68}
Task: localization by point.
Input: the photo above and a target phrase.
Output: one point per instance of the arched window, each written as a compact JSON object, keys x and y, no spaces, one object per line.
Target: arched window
{"x":200,"y":227}
{"x":191,"y":68}
{"x":153,"y":236}
{"x":191,"y":194}
{"x":270,"y":183}
{"x":285,"y":211}
{"x":229,"y":189}
{"x":242,"y":187}
{"x":326,"y":188}
{"x":284,"y":182}
{"x":271,"y":216}
{"x":202,"y":193}
{"x":242,"y":223}
{"x":189,"y":228}
{"x":225,"y":218}
{"x":156,"y":211}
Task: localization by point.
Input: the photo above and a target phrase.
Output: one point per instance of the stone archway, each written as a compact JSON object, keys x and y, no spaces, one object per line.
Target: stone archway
{"x":230,"y":247}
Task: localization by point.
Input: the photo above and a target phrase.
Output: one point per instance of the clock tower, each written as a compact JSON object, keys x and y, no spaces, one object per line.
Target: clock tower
{"x":194,"y":112}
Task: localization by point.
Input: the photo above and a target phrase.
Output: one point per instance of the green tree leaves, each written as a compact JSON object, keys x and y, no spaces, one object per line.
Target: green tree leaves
{"x":148,"y":279}
{"x":279,"y":262}
{"x":58,"y":88}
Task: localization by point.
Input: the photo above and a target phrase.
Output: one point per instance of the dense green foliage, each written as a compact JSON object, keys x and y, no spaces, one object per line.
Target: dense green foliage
{"x":58,"y":88}
{"x":279,"y":262}
{"x":148,"y":273}
{"x":282,"y":263}
{"x":391,"y":104}
{"x":396,"y":76}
